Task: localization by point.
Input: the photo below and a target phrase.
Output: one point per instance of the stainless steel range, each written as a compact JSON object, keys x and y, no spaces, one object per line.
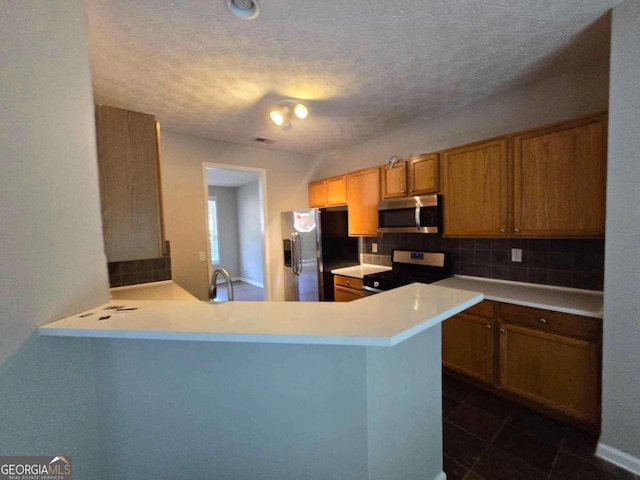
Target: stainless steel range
{"x":408,"y":267}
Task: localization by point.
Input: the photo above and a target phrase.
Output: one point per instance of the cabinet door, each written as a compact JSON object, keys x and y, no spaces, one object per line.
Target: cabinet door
{"x":424,"y":174}
{"x":394,"y":180}
{"x":129,"y":184}
{"x":559,"y":180}
{"x":337,"y":190}
{"x":317,"y":194}
{"x":556,"y":371}
{"x":363,"y":195}
{"x":343,"y":294}
{"x":474,"y":188}
{"x":467,"y":346}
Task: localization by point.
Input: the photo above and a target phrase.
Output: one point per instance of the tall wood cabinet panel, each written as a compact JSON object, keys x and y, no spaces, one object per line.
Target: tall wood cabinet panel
{"x":424,"y":174}
{"x":129,"y":184}
{"x":394,"y":180}
{"x":475,"y":189}
{"x":559,"y":180}
{"x":468,"y":342}
{"x":363,"y":195}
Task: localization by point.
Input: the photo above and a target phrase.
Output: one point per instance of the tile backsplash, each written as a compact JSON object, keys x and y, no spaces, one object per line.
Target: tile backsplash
{"x":141,"y":271}
{"x":567,"y":263}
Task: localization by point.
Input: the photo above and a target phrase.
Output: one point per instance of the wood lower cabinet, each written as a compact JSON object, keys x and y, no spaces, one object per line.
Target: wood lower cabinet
{"x":559,"y":181}
{"x":128,"y":164}
{"x":329,"y":192}
{"x":552,"y":358}
{"x":467,"y":342}
{"x":363,"y":196}
{"x":474,"y":189}
{"x":556,"y":371}
{"x":346,"y":289}
{"x":548,"y":360}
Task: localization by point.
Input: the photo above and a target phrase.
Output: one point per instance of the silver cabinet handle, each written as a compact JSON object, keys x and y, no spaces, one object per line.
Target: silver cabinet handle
{"x":517,"y":230}
{"x":502,"y":330}
{"x":543,"y":320}
{"x":488,"y":326}
{"x":502,"y":230}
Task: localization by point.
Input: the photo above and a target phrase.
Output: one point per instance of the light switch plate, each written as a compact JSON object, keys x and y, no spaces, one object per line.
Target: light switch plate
{"x":202,"y":256}
{"x":516,"y":255}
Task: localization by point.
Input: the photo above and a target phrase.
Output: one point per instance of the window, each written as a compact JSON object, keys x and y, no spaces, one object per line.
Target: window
{"x":213,"y":231}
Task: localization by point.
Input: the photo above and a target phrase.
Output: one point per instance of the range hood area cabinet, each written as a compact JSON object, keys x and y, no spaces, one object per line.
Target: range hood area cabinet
{"x":418,"y":175}
{"x":545,"y":182}
{"x":128,"y":164}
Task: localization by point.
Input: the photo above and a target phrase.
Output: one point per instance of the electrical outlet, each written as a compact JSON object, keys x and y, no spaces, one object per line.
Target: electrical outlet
{"x":374,"y":248}
{"x":202,"y":256}
{"x":516,"y":255}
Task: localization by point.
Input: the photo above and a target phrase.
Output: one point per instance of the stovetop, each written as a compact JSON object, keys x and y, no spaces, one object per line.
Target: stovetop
{"x":409,"y":267}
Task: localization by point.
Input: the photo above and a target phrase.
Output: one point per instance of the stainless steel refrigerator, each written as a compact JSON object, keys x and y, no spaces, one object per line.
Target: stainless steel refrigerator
{"x":315,"y":241}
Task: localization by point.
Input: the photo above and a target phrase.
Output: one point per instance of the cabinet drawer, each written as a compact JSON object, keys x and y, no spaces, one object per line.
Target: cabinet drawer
{"x":349,"y":282}
{"x":556,"y":322}
{"x":482,"y":309}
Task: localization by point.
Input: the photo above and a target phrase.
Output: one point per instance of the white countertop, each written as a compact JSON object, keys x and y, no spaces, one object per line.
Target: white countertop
{"x":165,"y":290}
{"x":385,"y":319}
{"x":568,"y":300}
{"x":359,"y":271}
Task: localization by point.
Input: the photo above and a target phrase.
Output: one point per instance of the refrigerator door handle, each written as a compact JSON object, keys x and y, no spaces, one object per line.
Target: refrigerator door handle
{"x":296,"y":254}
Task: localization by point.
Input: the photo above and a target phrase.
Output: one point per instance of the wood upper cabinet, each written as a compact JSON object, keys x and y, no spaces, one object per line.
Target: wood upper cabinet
{"x":467,"y":342}
{"x":475,"y":189}
{"x":318,"y":194}
{"x":560,"y":179}
{"x":363,"y":195}
{"x":424,"y":174}
{"x":328,"y":192}
{"x":129,"y":184}
{"x":552,"y":359}
{"x":394,"y":180}
{"x":417,"y":176}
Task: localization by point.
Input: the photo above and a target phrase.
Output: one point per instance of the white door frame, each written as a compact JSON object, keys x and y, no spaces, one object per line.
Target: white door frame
{"x":262,"y":193}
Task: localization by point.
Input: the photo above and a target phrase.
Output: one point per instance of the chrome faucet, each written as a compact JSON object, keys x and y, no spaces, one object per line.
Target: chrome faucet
{"x":213,"y":289}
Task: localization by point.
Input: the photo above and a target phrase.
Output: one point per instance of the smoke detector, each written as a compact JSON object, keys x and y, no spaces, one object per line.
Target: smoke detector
{"x":244,"y":9}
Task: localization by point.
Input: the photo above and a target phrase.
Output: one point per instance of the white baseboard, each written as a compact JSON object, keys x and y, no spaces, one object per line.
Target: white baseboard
{"x":619,"y":458}
{"x":250,"y":282}
{"x":441,"y":476}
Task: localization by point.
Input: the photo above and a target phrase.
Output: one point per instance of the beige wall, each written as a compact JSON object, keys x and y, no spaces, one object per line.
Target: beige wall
{"x":181,"y":162}
{"x":552,"y":99}
{"x":52,"y":261}
{"x":621,"y":357}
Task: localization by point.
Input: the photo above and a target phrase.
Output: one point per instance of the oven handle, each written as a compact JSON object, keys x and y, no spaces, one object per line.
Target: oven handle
{"x":371,"y":289}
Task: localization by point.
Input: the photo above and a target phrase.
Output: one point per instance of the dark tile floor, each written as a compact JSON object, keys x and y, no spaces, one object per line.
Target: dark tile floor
{"x":489,"y":438}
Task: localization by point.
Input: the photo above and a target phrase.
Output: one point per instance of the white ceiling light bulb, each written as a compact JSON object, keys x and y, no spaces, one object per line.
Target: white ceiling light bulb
{"x":244,"y":9}
{"x":277,"y":117}
{"x":301,"y":111}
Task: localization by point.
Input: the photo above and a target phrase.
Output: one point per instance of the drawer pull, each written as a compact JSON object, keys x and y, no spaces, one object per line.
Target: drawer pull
{"x":488,"y":326}
{"x":543,"y":320}
{"x":502,"y":330}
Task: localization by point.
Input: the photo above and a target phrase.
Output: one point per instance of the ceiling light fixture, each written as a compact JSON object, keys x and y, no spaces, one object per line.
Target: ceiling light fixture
{"x":286,"y":111}
{"x":244,"y":9}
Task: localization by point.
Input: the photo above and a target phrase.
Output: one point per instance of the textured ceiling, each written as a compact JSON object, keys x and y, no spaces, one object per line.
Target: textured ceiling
{"x":364,"y":67}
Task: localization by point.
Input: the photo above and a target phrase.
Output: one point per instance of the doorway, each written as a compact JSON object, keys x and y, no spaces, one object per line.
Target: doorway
{"x":235,"y":219}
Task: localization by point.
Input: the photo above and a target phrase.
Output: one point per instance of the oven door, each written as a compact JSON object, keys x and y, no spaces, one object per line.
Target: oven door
{"x":410,"y":215}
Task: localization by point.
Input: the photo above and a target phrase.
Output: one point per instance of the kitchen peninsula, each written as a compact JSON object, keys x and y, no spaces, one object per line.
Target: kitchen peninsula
{"x":287,"y":389}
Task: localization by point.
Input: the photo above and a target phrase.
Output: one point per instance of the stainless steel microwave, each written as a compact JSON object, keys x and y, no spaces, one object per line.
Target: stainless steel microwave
{"x":410,"y":215}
